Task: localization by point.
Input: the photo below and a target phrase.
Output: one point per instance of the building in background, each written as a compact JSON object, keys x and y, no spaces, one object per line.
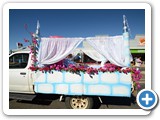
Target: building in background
{"x":137,"y":47}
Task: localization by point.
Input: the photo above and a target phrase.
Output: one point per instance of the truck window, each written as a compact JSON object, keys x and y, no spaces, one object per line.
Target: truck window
{"x":18,"y":60}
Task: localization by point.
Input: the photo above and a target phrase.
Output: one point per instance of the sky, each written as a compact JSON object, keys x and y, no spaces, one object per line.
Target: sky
{"x":73,"y":23}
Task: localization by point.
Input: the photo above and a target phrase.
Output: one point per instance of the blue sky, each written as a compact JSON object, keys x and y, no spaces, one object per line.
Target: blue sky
{"x":73,"y":23}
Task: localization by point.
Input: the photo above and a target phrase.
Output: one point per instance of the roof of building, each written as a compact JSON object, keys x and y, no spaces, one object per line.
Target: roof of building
{"x":135,"y":43}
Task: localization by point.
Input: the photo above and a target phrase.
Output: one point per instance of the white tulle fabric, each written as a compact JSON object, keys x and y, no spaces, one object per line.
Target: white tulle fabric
{"x":53,"y":50}
{"x":112,"y":48}
{"x":93,"y":54}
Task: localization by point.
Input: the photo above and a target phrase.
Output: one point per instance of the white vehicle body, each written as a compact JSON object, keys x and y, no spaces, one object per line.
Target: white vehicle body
{"x":20,"y":79}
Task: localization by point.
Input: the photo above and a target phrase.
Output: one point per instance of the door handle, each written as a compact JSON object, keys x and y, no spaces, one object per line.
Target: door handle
{"x":22,"y":73}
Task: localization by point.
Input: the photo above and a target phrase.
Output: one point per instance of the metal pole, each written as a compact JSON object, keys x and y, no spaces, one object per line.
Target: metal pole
{"x":126,"y":42}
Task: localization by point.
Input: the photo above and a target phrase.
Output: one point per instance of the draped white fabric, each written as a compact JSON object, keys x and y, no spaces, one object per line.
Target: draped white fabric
{"x":94,"y":54}
{"x":53,"y":50}
{"x":112,"y":48}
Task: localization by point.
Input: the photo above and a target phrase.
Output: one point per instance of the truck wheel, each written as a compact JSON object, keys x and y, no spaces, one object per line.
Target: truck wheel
{"x":79,"y":102}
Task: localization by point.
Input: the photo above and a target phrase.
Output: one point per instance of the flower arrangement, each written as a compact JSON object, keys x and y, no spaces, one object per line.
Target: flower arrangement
{"x":33,"y":51}
{"x":76,"y":69}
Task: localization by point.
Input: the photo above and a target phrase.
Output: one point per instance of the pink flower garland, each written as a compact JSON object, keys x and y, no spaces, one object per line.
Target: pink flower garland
{"x":136,"y":74}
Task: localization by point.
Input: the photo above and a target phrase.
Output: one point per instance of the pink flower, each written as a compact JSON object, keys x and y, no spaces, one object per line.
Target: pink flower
{"x":34,"y":41}
{"x":52,"y":66}
{"x":58,"y":68}
{"x":124,"y":71}
{"x":112,"y":69}
{"x":102,"y":69}
{"x":138,"y":86}
{"x":33,"y":68}
{"x":63,"y":67}
{"x":66,"y":69}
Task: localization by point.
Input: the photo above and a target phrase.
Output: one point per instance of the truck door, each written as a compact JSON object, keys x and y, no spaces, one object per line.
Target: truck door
{"x":18,"y":73}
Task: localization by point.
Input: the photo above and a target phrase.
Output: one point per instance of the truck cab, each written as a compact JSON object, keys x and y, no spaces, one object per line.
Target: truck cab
{"x":20,"y":77}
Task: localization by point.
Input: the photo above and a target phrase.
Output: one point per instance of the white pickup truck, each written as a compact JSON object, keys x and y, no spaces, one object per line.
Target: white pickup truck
{"x":77,"y":91}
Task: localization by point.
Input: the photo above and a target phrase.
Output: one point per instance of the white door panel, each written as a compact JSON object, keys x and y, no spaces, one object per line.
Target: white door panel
{"x":18,"y":73}
{"x":18,"y":80}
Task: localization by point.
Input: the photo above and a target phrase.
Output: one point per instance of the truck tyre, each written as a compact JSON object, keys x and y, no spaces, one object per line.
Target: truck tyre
{"x":79,"y":102}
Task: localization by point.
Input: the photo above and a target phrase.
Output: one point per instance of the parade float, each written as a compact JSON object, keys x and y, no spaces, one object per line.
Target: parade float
{"x":80,"y":83}
{"x":113,"y":79}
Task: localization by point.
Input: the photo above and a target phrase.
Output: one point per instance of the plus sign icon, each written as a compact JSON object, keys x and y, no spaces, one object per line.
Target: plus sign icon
{"x":147,"y":99}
